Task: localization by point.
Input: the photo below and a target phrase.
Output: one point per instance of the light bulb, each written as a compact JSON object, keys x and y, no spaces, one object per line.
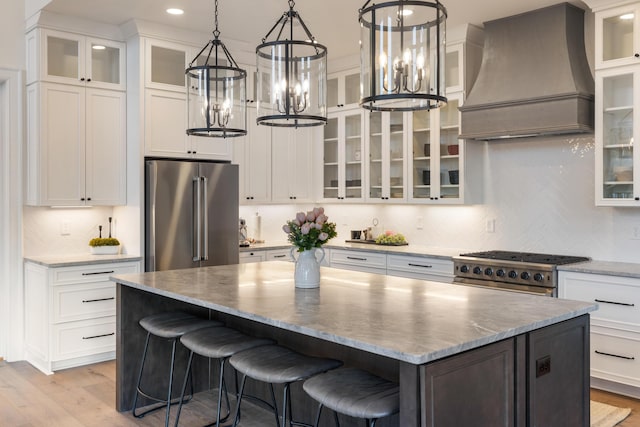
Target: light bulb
{"x":298,"y":89}
{"x":406,"y":57}
{"x":420,"y":61}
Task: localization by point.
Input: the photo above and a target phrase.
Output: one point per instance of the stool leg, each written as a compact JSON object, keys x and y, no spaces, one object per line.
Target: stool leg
{"x":320,"y":406}
{"x":144,"y":356}
{"x":275,"y":404}
{"x":285,"y":401}
{"x":372,"y":423}
{"x":184,"y":387}
{"x":335,"y":417}
{"x":173,"y":359}
{"x":236,"y":418}
{"x":220,"y":390}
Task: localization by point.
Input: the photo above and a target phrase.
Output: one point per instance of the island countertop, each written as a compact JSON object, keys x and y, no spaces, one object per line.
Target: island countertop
{"x":409,"y":320}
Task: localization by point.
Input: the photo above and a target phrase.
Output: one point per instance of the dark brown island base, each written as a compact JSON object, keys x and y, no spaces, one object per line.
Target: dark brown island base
{"x":463,"y":356}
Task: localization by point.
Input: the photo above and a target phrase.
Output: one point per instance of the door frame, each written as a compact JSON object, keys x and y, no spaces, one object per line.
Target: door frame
{"x":11,"y":196}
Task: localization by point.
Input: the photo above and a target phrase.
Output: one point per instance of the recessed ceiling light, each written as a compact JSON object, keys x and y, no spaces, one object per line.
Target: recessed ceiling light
{"x":175,"y":11}
{"x":627,"y":16}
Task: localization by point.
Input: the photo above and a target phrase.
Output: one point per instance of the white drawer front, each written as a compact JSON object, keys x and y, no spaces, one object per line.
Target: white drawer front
{"x":91,"y":273}
{"x":86,"y":301}
{"x":420,"y":265}
{"x":254,"y":256}
{"x":358,"y":259}
{"x":615,"y":355}
{"x":76,"y":339}
{"x":618,"y":298}
{"x":279,"y":255}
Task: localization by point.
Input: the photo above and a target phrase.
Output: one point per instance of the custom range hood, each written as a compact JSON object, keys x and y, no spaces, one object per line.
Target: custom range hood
{"x":534,"y":79}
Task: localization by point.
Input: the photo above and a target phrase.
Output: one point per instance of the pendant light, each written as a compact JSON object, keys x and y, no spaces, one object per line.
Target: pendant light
{"x":292,"y":75}
{"x":402,"y":52}
{"x":216,"y":91}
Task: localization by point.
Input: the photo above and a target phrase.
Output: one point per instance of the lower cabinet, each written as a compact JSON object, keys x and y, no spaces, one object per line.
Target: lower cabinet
{"x":252,"y":256}
{"x":540,"y":378}
{"x":615,"y":327}
{"x":282,"y":254}
{"x":369,"y":262}
{"x":419,"y":267}
{"x":70,"y":314}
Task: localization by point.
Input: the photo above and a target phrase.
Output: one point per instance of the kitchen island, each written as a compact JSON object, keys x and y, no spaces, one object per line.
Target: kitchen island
{"x":461,"y":354}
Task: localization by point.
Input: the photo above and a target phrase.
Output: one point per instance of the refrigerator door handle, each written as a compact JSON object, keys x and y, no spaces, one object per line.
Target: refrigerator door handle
{"x":152,"y":172}
{"x":197,"y":220}
{"x":205,"y":216}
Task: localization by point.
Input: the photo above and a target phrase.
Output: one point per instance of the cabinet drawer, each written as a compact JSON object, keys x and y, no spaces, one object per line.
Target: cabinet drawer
{"x":92,"y":273}
{"x":615,"y":355}
{"x":253,"y":256}
{"x":420,"y":265}
{"x":279,"y":255}
{"x":84,"y":338}
{"x":85,"y":301}
{"x":358,"y":258}
{"x":618,"y":298}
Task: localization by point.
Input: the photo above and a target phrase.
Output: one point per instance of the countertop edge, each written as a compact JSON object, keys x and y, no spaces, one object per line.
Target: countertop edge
{"x":608,"y":268}
{"x":79,"y":260}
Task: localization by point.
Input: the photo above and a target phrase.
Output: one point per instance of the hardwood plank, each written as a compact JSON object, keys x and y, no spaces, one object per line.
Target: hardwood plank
{"x":633,"y":420}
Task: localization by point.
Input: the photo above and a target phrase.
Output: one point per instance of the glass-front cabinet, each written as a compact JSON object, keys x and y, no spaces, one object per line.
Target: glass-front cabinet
{"x":618,"y":36}
{"x":343,"y":90}
{"x":343,"y":148}
{"x":386,"y":156}
{"x":616,"y":159}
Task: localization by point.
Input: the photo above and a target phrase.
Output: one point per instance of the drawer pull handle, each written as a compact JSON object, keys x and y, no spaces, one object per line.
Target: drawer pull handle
{"x":98,"y":299}
{"x":616,"y":303}
{"x":279,"y":256}
{"x":615,"y":355}
{"x":356,"y":258}
{"x":98,"y":336}
{"x":420,"y":265}
{"x":97,"y":272}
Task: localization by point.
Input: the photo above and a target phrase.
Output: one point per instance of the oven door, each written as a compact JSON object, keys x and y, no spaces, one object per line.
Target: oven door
{"x":525,"y":289}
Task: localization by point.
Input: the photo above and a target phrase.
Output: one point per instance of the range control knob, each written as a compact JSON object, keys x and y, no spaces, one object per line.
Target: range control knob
{"x":513,"y":274}
{"x":488,"y":271}
{"x":477,"y":270}
{"x":525,"y":275}
{"x":538,"y":277}
{"x":464,"y":269}
{"x":500,"y":273}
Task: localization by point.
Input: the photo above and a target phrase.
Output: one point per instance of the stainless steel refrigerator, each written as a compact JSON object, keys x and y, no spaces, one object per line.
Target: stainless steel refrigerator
{"x":191,"y":214}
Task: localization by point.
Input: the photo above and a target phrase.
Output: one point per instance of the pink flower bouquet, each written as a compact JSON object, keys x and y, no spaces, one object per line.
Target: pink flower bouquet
{"x":310,"y":230}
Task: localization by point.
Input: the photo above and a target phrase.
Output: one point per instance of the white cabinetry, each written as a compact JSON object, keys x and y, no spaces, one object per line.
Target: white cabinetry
{"x":252,"y":153}
{"x":420,"y":267}
{"x":343,"y":90}
{"x":70,"y":314}
{"x":617,"y":78}
{"x":386,"y":156}
{"x":76,"y":120}
{"x":252,"y":256}
{"x":165,"y":106}
{"x":292,"y":164}
{"x":370,"y":262}
{"x":615,"y":327}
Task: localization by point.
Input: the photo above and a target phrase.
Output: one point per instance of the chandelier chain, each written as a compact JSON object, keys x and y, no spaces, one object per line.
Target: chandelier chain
{"x":291,"y":4}
{"x":216,"y":32}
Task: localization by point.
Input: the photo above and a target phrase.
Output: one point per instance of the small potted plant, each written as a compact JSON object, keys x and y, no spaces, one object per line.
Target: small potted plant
{"x":104,"y":245}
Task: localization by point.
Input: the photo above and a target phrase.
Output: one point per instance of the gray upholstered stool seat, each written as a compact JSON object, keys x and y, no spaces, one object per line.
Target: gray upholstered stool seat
{"x":170,"y":326}
{"x":275,"y":364}
{"x":355,"y":393}
{"x":217,"y":343}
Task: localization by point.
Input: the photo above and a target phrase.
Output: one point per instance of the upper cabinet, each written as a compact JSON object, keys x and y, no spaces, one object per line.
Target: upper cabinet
{"x":71,"y":58}
{"x":386,"y":156}
{"x":292,"y":164}
{"x":617,"y":104}
{"x":617,"y":36}
{"x":343,"y":90}
{"x":253,"y":155}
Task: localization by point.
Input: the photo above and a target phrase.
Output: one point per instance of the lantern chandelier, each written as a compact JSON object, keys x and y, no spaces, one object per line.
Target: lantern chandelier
{"x":216,"y":91}
{"x":402,"y":51}
{"x":292,"y":76}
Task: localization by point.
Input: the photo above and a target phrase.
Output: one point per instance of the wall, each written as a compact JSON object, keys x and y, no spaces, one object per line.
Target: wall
{"x":539,"y":191}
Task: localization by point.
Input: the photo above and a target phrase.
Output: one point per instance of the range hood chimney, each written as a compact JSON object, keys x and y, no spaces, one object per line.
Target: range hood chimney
{"x":534,"y":79}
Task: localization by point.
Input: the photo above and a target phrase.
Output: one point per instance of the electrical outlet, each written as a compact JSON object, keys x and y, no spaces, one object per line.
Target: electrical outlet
{"x":420,"y":222}
{"x":543,"y":366}
{"x":65,"y":228}
{"x":491,"y":226}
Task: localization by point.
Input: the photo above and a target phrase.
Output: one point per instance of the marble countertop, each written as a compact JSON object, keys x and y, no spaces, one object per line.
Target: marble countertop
{"x":79,"y":259}
{"x":625,"y":269}
{"x":414,"y":250}
{"x":410,"y":320}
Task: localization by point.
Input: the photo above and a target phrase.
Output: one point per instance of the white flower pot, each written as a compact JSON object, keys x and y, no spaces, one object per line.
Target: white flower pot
{"x":307,"y":271}
{"x":104,"y":250}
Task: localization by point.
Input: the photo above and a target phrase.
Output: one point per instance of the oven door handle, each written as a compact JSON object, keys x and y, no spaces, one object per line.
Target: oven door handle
{"x":525,"y":289}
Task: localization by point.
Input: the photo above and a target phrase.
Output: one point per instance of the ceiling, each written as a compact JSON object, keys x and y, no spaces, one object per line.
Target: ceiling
{"x":334,"y":23}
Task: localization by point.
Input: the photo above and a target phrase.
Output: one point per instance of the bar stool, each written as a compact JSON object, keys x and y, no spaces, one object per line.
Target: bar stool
{"x":217,"y":343}
{"x":275,"y":364}
{"x":354,"y":392}
{"x":168,"y":326}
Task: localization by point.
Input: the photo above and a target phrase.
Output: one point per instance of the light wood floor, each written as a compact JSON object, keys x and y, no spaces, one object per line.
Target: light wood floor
{"x":85,"y":397}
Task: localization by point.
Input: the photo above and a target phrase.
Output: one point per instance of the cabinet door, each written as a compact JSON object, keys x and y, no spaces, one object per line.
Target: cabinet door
{"x":331,"y":174}
{"x":451,"y":172}
{"x":291,"y":164}
{"x":352,"y":124}
{"x":165,"y":65}
{"x":211,"y":148}
{"x":165,"y":119}
{"x":61,"y":145}
{"x":386,"y":156}
{"x":616,"y":159}
{"x":420,"y":150}
{"x":105,"y":64}
{"x":617,"y":36}
{"x":106,"y":179}
{"x":62,"y":57}
{"x":253,"y":155}
{"x":343,"y":90}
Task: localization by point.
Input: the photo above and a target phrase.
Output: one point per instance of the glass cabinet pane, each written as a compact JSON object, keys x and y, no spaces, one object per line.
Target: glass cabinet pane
{"x":167,"y":66}
{"x":452,"y":66}
{"x":105,"y":63}
{"x":449,"y":150}
{"x":396,"y":155}
{"x":332,"y":92}
{"x":617,"y":137}
{"x":375,"y":155}
{"x":421,"y":164}
{"x":353,"y":156}
{"x":331,"y":159}
{"x":62,"y":57}
{"x":352,"y":88}
{"x":617,"y":36}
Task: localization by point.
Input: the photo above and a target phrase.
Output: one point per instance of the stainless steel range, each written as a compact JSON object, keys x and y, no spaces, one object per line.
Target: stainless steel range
{"x":516,"y":271}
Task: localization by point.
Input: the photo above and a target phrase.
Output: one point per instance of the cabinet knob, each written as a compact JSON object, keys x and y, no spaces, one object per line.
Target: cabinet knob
{"x":82,"y":199}
{"x":88,"y":198}
{"x":637,"y":55}
{"x":637,"y":198}
{"x":81,"y":79}
{"x":88,"y":80}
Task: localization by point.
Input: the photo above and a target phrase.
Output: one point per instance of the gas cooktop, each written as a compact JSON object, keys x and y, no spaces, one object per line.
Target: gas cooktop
{"x":526,"y":257}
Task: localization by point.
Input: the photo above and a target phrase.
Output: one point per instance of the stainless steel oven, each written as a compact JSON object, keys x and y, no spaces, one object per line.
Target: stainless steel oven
{"x":524,"y":272}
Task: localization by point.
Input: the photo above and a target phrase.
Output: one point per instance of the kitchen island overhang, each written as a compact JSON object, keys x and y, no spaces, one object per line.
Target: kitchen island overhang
{"x":373,"y":320}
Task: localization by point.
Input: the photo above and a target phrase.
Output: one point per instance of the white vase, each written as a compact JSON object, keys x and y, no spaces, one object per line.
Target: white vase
{"x":307,"y":272}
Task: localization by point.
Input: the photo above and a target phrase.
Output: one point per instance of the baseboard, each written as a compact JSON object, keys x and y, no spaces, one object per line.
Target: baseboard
{"x":613,"y":387}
